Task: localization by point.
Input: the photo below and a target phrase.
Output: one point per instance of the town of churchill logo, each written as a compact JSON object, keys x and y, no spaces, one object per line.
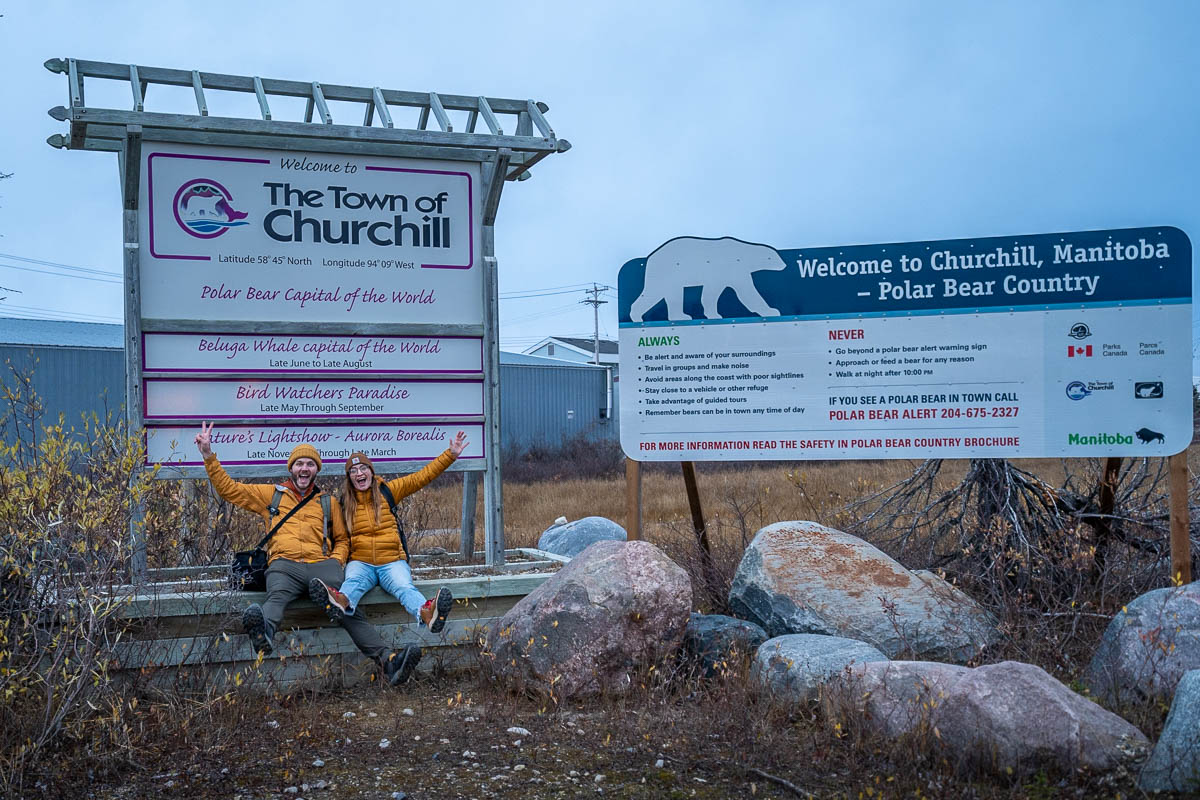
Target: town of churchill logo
{"x":203,"y":208}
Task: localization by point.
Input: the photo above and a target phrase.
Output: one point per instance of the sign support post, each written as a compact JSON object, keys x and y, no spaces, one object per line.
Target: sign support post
{"x":1181,"y":546}
{"x":633,"y":498}
{"x":130,"y":165}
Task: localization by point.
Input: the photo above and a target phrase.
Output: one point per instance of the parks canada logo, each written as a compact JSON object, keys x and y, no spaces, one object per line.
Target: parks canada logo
{"x":204,"y":209}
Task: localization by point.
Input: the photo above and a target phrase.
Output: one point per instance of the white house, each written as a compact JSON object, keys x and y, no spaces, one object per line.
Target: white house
{"x":572,"y":349}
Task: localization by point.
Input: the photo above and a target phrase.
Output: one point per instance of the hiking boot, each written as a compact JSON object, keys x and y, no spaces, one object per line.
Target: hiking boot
{"x":433,"y":614}
{"x":256,"y":628}
{"x":335,"y":604}
{"x":399,"y":665}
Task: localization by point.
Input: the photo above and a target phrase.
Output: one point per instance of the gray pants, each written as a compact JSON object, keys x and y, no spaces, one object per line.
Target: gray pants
{"x":287,"y":580}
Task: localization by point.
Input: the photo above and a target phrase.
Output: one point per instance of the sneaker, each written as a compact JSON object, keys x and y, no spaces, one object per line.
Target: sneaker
{"x":399,"y":665}
{"x":256,"y":628}
{"x":335,"y":604}
{"x":433,"y":614}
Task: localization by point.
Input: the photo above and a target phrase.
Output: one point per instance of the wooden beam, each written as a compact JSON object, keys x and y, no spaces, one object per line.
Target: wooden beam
{"x":466,"y":543}
{"x":1181,"y":546}
{"x":287,"y":88}
{"x":322,"y":108}
{"x":381,"y":108}
{"x":633,"y":499}
{"x":263,"y":107}
{"x":198,"y":88}
{"x":693,"y":496}
{"x":439,"y":113}
{"x":281,"y":128}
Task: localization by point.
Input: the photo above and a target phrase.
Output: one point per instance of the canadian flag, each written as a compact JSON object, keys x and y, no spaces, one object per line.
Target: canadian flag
{"x":1079,"y":350}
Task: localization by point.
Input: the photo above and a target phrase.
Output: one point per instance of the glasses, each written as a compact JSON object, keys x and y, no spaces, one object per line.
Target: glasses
{"x":360,"y":470}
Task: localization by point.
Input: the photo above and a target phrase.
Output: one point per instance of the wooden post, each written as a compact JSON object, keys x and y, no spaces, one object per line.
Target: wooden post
{"x":1108,"y":499}
{"x":693,"y":496}
{"x":633,"y":499}
{"x":130,"y":164}
{"x":466,"y":542}
{"x":1181,"y":550}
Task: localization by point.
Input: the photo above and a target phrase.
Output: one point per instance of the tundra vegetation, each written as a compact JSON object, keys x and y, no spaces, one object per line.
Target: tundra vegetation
{"x":1041,"y":545}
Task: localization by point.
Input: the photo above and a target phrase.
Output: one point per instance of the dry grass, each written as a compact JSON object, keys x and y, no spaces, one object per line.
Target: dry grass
{"x":760,"y":494}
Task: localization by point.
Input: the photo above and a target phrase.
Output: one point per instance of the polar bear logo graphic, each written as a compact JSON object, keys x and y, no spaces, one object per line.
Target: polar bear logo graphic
{"x":713,"y":264}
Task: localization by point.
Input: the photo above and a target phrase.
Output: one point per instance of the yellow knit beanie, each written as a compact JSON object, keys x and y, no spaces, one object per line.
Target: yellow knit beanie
{"x":304,"y":451}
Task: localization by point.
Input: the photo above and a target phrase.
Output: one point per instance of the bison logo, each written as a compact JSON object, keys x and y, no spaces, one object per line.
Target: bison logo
{"x":1145,"y":436}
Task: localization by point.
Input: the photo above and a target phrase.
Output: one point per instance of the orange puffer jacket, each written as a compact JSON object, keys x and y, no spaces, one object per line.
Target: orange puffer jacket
{"x":378,"y":543}
{"x":301,"y":538}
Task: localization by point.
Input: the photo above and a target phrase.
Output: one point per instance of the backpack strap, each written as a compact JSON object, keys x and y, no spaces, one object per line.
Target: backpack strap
{"x":391,"y":501}
{"x":273,"y":509}
{"x":328,"y":541}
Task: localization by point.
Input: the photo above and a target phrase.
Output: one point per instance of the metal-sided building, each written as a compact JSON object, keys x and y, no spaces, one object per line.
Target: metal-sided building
{"x":79,"y":367}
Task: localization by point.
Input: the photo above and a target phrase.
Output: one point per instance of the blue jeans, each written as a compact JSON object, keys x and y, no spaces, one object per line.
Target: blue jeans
{"x":395,"y":578}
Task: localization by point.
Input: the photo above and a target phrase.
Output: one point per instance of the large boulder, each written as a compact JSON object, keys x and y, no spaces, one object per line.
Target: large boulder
{"x":711,"y":640}
{"x":893,"y":698}
{"x":801,"y":577}
{"x":1016,"y":716}
{"x":793,"y":668}
{"x":614,"y":609}
{"x":1174,"y":766}
{"x":572,"y":538}
{"x":1148,"y":646}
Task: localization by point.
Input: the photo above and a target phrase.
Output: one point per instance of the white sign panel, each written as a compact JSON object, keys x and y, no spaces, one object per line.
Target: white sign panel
{"x":239,"y":445}
{"x":197,"y":398}
{"x":267,"y":353}
{"x":1035,"y":346}
{"x":241,"y":234}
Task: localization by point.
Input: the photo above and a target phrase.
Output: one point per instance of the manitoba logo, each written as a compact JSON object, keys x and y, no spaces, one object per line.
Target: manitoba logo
{"x":204,"y":208}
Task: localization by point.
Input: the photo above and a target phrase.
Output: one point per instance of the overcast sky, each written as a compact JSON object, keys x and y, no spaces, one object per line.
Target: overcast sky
{"x":789,"y":123}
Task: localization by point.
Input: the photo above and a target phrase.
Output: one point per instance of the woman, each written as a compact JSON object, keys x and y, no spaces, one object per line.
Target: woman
{"x":377,"y":556}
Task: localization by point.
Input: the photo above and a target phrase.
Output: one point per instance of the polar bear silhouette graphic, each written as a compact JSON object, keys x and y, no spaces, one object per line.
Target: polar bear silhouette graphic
{"x":715,"y":265}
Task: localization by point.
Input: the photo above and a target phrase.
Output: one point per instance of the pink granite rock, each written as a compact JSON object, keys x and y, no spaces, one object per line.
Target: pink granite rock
{"x":615,"y":609}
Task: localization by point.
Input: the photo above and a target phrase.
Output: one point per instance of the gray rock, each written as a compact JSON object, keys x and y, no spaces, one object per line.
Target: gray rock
{"x":1174,"y":766}
{"x":893,"y":698}
{"x":796,"y":666}
{"x":615,"y":609}
{"x":1016,"y":716}
{"x":573,"y":538}
{"x":801,"y":577}
{"x":711,"y":639}
{"x":1148,"y":646}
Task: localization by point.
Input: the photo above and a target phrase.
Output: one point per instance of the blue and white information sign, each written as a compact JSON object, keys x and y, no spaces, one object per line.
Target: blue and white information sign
{"x":1047,"y":345}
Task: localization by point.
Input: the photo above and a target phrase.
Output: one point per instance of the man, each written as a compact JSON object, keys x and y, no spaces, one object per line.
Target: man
{"x":306,"y":554}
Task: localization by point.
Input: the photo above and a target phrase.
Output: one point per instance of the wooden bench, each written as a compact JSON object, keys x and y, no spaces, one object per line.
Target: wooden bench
{"x":184,"y":628}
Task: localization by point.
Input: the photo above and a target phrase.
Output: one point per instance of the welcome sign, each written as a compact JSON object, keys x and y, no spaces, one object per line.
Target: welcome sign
{"x":1047,"y":345}
{"x":239,"y":234}
{"x":347,"y":254}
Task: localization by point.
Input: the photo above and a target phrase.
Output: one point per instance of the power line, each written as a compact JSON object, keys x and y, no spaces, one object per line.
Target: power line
{"x":59,"y":274}
{"x":68,"y":267}
{"x":68,"y":316}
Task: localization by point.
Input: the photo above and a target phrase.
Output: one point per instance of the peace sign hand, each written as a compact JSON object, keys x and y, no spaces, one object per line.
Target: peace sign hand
{"x":204,"y":439}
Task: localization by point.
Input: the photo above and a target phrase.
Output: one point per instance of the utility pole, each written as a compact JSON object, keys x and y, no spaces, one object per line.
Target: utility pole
{"x":595,"y":302}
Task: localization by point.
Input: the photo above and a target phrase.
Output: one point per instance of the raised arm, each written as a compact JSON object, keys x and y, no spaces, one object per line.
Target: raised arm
{"x":407,"y":484}
{"x":250,"y":496}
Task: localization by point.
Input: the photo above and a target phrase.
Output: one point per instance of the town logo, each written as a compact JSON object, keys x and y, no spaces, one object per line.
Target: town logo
{"x":204,"y":209}
{"x":1077,"y":390}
